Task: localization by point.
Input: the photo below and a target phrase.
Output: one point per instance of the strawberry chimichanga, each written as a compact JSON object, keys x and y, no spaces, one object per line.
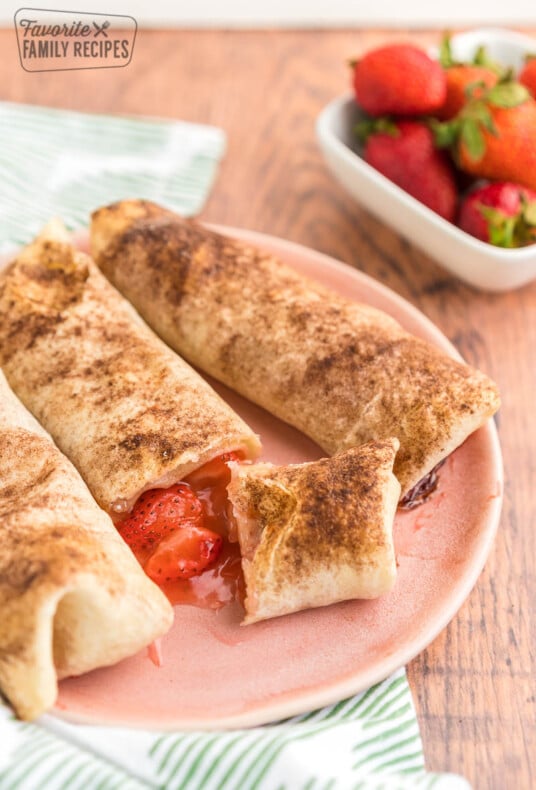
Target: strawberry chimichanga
{"x":72,"y":596}
{"x":131,"y":415}
{"x":341,"y":372}
{"x":128,"y":412}
{"x":316,"y":533}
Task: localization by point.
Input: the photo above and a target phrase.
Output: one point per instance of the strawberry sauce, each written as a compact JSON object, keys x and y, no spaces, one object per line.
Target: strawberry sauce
{"x":223,"y":582}
{"x":215,"y":579}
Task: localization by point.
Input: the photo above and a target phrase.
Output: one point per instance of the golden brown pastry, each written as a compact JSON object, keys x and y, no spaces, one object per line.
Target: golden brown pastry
{"x":128,"y":412}
{"x":72,"y":596}
{"x":316,"y":533}
{"x":341,"y":372}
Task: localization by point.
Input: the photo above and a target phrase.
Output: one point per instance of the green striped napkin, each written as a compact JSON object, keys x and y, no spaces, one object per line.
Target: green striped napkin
{"x":61,"y":163}
{"x":369,"y":742}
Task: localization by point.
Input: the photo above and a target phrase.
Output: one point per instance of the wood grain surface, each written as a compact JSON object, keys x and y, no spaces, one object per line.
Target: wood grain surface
{"x":474,"y":686}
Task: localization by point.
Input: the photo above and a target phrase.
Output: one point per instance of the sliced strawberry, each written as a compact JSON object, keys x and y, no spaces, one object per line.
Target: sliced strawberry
{"x":158,"y":514}
{"x":168,"y":528}
{"x":186,"y":553}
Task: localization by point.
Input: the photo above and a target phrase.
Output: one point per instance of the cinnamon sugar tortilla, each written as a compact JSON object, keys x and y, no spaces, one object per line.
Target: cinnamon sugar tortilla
{"x":341,"y":372}
{"x":316,"y":533}
{"x":128,"y":412}
{"x":72,"y":595}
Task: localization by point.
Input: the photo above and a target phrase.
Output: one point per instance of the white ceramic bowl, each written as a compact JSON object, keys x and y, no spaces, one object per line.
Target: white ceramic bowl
{"x":478,"y":263}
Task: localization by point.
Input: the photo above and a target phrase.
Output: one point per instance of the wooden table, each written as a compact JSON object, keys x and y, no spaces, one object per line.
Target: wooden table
{"x":473,"y":684}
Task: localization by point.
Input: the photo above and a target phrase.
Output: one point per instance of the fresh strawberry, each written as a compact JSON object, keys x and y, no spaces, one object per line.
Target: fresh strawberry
{"x":404,"y":152}
{"x":166,"y":533}
{"x":460,"y":81}
{"x":493,"y":136}
{"x":527,"y":76}
{"x":466,"y":78}
{"x":399,"y":79}
{"x":501,"y":213}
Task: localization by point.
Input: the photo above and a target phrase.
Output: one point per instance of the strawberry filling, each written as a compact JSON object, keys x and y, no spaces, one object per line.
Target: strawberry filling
{"x":180,"y":536}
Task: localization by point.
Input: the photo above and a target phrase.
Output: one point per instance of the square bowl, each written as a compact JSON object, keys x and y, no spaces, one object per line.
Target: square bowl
{"x":476,"y":262}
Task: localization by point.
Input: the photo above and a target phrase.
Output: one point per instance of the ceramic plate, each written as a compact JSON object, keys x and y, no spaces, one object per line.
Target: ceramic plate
{"x":218,"y":674}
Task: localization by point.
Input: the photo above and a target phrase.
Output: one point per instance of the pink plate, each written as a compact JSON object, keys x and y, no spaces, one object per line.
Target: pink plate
{"x":217,"y":674}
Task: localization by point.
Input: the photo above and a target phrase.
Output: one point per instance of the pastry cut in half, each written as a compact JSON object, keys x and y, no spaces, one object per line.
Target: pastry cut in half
{"x":340,"y":371}
{"x":316,"y":533}
{"x":72,"y":596}
{"x":128,"y":412}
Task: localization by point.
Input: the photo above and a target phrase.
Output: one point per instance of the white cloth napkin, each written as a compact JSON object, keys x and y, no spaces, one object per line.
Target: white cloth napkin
{"x":61,"y":163}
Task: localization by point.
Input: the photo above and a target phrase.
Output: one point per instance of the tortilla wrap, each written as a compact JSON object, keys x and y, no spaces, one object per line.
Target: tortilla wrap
{"x":125,"y":409}
{"x":316,"y":533}
{"x":341,"y":372}
{"x":72,"y":595}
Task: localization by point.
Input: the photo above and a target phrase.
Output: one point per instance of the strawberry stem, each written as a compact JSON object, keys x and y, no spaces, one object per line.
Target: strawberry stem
{"x":369,"y":126}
